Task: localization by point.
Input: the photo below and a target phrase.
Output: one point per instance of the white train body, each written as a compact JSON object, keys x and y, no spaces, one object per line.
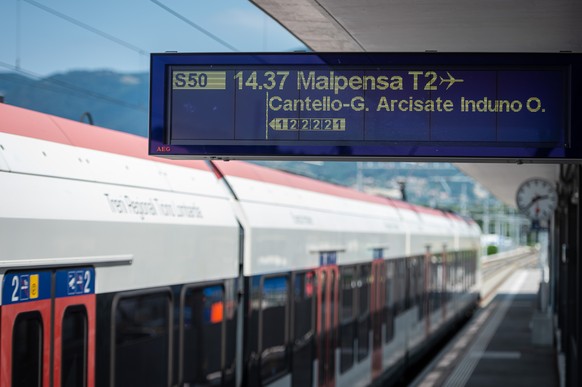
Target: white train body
{"x":158,"y":255}
{"x":290,"y":219}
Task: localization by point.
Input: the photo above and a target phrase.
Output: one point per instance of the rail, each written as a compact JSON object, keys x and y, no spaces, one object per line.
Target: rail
{"x":495,"y":269}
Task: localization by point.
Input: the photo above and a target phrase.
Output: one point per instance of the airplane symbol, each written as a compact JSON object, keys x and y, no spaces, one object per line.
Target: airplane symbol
{"x":451,"y":81}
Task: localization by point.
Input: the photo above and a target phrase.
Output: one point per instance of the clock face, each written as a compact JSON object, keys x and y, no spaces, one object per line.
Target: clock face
{"x":537,"y":198}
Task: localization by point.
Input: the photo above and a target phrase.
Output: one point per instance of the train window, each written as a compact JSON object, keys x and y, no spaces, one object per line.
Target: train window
{"x":400,"y":284}
{"x":434,"y":283}
{"x":422,"y":275}
{"x":465,"y":274}
{"x":27,"y":350}
{"x":389,"y":300}
{"x":467,"y":266}
{"x":461,"y":271}
{"x":303,"y":324}
{"x":471,"y":268}
{"x":274,"y":309}
{"x":364,"y":312}
{"x":142,"y":328}
{"x":450,"y":276}
{"x":411,"y":272}
{"x":411,"y":282}
{"x":347,"y":322}
{"x":473,"y":256}
{"x":74,"y":347}
{"x":303,"y":303}
{"x":230,"y":317}
{"x":417,"y":283}
{"x":348,"y":286}
{"x":251,"y":314}
{"x":203,"y":316}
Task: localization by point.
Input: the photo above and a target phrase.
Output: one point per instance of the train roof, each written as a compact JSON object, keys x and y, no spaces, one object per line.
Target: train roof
{"x":28,"y":123}
{"x":277,"y":177}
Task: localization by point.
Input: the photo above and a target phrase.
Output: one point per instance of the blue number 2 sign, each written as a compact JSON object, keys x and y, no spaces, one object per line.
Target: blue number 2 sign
{"x":75,"y":282}
{"x":25,"y":287}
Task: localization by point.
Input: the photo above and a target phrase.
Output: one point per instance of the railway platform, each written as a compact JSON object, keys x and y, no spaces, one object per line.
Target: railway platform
{"x":503,"y":345}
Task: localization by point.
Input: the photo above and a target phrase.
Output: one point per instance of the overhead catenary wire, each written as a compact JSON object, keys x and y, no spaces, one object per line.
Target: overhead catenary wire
{"x":87,"y":27}
{"x":64,"y":87}
{"x":17,"y":35}
{"x":194,"y":25}
{"x":122,"y":42}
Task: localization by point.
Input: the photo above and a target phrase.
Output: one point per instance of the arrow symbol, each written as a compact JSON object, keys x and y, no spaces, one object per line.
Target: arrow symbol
{"x":279,"y":124}
{"x":451,"y":80}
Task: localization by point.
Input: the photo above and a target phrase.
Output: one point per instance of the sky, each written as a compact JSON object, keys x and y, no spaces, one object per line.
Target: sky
{"x":43,"y":37}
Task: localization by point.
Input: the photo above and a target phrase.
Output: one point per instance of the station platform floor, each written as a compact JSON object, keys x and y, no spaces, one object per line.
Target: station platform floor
{"x":497,"y":347}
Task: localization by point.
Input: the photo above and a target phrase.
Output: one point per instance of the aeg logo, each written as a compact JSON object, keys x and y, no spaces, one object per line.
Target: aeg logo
{"x":163,"y":149}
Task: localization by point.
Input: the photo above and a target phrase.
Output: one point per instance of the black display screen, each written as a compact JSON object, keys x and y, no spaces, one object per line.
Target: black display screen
{"x":348,"y":106}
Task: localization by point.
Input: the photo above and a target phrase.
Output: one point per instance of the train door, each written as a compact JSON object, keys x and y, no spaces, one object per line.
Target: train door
{"x":74,"y":328}
{"x":25,"y":329}
{"x":327,"y":323}
{"x":378,"y":301}
{"x":427,"y":290}
{"x":47,"y":328}
{"x":303,"y":330}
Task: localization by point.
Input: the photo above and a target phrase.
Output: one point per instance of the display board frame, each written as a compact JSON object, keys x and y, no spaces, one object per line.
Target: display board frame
{"x":172,"y":98}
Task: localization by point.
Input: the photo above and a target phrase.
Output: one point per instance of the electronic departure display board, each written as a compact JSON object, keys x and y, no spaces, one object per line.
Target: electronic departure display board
{"x":365,"y":106}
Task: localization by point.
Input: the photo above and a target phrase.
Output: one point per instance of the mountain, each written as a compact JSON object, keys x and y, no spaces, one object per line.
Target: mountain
{"x":116,"y":101}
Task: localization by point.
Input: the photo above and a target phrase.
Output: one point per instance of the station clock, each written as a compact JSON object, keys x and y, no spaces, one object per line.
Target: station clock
{"x":537,"y":198}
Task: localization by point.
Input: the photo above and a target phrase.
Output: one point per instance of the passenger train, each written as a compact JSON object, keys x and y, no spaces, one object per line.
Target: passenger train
{"x":120,"y":269}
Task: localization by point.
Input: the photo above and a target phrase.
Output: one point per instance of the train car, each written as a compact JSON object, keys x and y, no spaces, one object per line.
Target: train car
{"x":342,"y":287}
{"x":119,"y":269}
{"x":116,"y":268}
